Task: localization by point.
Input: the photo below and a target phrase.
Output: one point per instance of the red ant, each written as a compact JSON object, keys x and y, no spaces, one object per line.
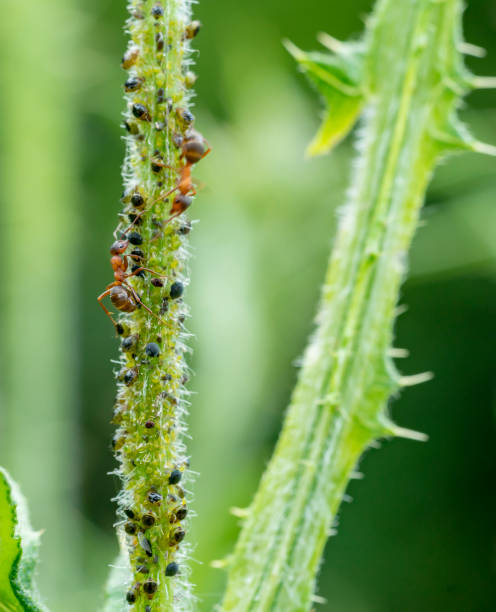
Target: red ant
{"x":193,"y":150}
{"x":122,"y":295}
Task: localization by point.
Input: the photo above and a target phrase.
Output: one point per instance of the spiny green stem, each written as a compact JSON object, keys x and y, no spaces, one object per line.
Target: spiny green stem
{"x":412,"y":78}
{"x":152,"y":400}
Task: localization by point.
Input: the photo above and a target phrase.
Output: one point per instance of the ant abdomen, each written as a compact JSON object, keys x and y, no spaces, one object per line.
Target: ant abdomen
{"x":194,"y":150}
{"x":194,"y":147}
{"x":123,"y":299}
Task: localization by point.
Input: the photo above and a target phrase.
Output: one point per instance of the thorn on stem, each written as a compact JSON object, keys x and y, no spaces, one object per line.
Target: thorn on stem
{"x":331,"y":43}
{"x":415,"y":379}
{"x":410,"y":434}
{"x":473,"y":50}
{"x":398,"y":353}
{"x":219,"y":563}
{"x":240,"y":512}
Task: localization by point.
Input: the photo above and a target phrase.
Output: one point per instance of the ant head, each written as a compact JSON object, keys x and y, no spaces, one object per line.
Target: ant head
{"x":182,"y":201}
{"x":118,"y":247}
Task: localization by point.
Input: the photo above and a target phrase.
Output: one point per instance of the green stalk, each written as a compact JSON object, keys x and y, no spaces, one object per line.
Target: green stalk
{"x":151,"y":399}
{"x":409,"y":75}
{"x":39,"y":305}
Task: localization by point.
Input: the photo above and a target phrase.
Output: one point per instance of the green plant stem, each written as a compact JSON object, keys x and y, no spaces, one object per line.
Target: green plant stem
{"x":413,"y":80}
{"x":152,"y":398}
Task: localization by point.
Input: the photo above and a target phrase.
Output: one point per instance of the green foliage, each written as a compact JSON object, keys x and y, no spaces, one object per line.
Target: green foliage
{"x":19,"y":546}
{"x":338,"y":78}
{"x":246,"y":224}
{"x":413,"y":80}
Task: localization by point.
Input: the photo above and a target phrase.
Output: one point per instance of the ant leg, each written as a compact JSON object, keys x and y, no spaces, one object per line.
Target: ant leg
{"x":206,"y":152}
{"x":118,"y":232}
{"x":137,"y":218}
{"x":174,"y":216}
{"x":138,"y":270}
{"x":162,"y":165}
{"x":99,"y":299}
{"x":157,"y":236}
{"x":138,"y":299}
{"x":162,"y":196}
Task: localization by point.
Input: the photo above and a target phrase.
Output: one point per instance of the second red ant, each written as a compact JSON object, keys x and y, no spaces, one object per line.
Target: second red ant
{"x":122,"y":295}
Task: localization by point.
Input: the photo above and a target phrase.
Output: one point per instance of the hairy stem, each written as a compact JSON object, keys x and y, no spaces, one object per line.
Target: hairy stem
{"x":412,"y":78}
{"x":151,"y":400}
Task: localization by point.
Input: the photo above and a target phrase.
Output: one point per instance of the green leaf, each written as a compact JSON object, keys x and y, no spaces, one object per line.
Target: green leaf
{"x":18,"y":551}
{"x":338,"y":77}
{"x":118,"y":580}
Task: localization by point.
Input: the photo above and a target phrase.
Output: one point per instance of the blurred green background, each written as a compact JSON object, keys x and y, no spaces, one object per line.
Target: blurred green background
{"x":420,"y":533}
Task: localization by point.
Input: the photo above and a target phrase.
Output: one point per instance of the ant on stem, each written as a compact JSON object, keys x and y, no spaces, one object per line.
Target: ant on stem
{"x":194,"y":149}
{"x":122,"y":295}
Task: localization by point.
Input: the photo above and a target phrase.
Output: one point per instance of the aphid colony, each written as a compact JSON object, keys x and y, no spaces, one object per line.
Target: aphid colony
{"x":163,"y":147}
{"x":122,"y":295}
{"x":137,"y":526}
{"x":193,"y":148}
{"x":165,"y":501}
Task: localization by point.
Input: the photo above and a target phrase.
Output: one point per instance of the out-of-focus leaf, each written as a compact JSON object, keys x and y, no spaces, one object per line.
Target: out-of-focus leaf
{"x":18,"y":551}
{"x":338,"y":77}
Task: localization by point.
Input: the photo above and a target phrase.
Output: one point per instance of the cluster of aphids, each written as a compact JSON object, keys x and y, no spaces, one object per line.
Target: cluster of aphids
{"x":137,"y":526}
{"x":193,"y":147}
{"x":153,"y":504}
{"x":153,"y":512}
